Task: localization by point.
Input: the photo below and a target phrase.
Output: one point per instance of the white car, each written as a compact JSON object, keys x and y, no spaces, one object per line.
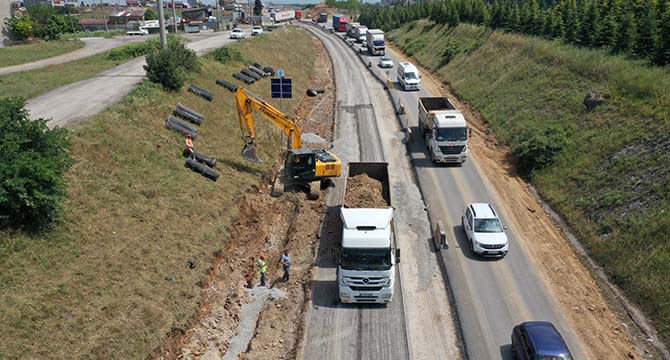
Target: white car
{"x":385,"y":62}
{"x":237,"y":34}
{"x":256,"y":30}
{"x":484,"y":230}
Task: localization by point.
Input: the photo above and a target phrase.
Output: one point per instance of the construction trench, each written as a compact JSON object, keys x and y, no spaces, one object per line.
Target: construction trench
{"x":239,"y":319}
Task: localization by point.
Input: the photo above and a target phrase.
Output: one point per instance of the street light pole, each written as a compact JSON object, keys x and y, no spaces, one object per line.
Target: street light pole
{"x":161,"y":24}
{"x":174,"y":16}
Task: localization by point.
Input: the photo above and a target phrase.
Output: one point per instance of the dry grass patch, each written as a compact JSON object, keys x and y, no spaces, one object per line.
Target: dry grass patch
{"x":112,"y":280}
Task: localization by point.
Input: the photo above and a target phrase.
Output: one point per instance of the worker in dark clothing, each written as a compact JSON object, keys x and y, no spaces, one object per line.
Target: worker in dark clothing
{"x":285,"y":262}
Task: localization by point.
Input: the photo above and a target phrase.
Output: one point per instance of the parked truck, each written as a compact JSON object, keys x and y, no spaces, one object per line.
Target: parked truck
{"x":375,"y":41}
{"x":340,"y":23}
{"x":368,"y":257}
{"x":323,"y":18}
{"x":445,"y":130}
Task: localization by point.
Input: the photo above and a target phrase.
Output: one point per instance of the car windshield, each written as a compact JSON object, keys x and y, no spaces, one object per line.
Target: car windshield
{"x":386,"y":58}
{"x":488,"y":226}
{"x":366,"y":259}
{"x":257,"y":27}
{"x":553,"y":357}
{"x":410,"y":76}
{"x":237,"y":31}
{"x":451,"y":134}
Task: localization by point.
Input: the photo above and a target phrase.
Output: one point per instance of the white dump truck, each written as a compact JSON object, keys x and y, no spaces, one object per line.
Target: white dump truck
{"x":445,"y":130}
{"x":368,"y":256}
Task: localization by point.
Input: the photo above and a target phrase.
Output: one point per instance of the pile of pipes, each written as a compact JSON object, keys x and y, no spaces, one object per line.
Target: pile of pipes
{"x":250,"y":75}
{"x":196,"y":161}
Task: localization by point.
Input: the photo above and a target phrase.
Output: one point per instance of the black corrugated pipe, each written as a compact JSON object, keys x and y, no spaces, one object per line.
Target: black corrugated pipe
{"x":228,"y":85}
{"x":201,"y":158}
{"x":251,"y":74}
{"x":244,"y":78}
{"x":201,"y":92}
{"x":201,"y":169}
{"x":181,"y":127}
{"x":188,"y":114}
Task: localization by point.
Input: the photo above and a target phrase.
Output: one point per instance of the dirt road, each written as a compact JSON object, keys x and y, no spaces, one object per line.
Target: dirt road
{"x":418,"y":324}
{"x":71,"y":104}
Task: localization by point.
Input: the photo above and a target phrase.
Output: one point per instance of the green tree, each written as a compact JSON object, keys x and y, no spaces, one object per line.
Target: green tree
{"x":571,"y":21}
{"x":34,"y":161}
{"x":589,"y":32}
{"x":150,"y":15}
{"x":627,"y":35}
{"x":170,"y":67}
{"x":258,"y":7}
{"x":662,"y":53}
{"x":646,"y":31}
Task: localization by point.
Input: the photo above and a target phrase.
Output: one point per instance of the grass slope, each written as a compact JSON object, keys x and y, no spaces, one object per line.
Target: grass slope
{"x":112,"y":280}
{"x":612,"y":180}
{"x":21,"y":54}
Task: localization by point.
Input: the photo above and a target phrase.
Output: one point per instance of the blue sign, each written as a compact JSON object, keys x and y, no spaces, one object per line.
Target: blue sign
{"x":281,"y":88}
{"x":280,"y":72}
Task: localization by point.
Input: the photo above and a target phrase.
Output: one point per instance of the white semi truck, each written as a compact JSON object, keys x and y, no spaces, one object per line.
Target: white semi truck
{"x":368,"y":257}
{"x":375,"y":42}
{"x":445,"y":130}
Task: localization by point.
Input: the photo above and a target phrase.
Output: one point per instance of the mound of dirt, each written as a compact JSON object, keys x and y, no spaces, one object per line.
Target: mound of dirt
{"x":364,"y":192}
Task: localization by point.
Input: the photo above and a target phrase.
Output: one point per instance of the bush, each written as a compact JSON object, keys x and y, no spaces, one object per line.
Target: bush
{"x":225,"y":55}
{"x":170,"y":66}
{"x":535,"y":149}
{"x":21,"y":27}
{"x":132,"y":51}
{"x":34,"y":160}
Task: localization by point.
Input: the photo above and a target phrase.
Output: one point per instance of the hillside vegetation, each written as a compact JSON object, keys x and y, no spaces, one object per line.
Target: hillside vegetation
{"x":112,"y":280}
{"x":606,"y":171}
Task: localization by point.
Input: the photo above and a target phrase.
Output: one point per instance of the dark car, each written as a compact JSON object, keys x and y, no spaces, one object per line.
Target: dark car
{"x":538,"y":340}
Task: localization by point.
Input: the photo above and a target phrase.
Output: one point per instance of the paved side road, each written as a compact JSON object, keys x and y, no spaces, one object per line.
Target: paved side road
{"x":76,"y":102}
{"x":93,"y":46}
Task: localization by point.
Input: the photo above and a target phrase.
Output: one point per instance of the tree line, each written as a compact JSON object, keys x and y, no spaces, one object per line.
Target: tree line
{"x":637,"y":28}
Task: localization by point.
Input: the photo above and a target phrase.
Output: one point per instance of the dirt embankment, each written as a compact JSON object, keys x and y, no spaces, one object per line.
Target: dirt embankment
{"x":605,"y":331}
{"x":364,"y":192}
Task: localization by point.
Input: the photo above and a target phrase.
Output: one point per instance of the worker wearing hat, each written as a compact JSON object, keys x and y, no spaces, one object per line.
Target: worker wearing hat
{"x":262,"y":268}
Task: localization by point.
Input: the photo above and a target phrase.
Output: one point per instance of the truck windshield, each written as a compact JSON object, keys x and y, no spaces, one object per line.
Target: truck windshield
{"x":378,"y":42}
{"x":366,"y":259}
{"x":488,"y":226}
{"x":451,"y":134}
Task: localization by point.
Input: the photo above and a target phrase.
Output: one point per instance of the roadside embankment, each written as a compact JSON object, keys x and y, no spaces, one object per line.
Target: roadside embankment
{"x":128,"y":264}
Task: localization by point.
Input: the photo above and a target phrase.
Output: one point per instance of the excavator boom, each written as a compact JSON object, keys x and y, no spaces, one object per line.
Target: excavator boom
{"x":246,"y":104}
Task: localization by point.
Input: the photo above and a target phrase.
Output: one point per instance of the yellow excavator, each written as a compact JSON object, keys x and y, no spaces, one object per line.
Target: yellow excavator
{"x":302,"y":166}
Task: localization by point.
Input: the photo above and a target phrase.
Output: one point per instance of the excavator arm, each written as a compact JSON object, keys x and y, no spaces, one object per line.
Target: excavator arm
{"x":246,"y":104}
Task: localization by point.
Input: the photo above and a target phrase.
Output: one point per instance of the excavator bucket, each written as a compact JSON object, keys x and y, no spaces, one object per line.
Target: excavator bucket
{"x":249,"y":152}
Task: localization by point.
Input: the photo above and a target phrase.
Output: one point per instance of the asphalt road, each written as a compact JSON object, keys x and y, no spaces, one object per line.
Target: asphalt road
{"x":491,"y":295}
{"x":73,"y":103}
{"x":418,"y":323}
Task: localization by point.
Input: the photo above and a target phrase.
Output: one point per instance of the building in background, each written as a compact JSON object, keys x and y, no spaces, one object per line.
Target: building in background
{"x":5,"y":13}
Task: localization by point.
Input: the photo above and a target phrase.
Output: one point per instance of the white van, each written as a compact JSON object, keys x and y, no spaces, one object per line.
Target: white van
{"x":408,"y":76}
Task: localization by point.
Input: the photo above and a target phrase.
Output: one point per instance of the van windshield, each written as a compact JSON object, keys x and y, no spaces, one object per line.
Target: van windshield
{"x":553,"y":357}
{"x":411,"y":76}
{"x":451,"y":134}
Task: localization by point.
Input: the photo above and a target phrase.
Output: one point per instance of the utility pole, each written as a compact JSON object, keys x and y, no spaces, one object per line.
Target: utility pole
{"x":161,"y":24}
{"x":104,"y":16}
{"x":174,"y":16}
